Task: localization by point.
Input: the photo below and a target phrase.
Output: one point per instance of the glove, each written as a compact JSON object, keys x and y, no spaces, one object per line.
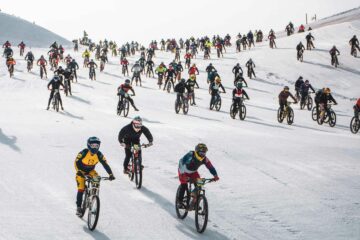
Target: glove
{"x":335,"y":104}
{"x":150,"y":144}
{"x":216,"y":178}
{"x":111,"y":177}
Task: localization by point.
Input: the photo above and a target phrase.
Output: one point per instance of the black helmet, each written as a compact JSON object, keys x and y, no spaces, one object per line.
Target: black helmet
{"x":286,"y":88}
{"x":127,"y":81}
{"x":182,"y":80}
{"x":93,"y":144}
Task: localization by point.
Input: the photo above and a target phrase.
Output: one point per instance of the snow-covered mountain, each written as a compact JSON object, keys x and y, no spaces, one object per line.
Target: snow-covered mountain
{"x":16,"y":30}
{"x":276,"y":181}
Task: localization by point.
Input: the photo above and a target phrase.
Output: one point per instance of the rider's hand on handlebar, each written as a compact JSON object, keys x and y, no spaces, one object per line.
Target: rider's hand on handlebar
{"x":216,"y":178}
{"x":111,"y":177}
{"x":122,"y":144}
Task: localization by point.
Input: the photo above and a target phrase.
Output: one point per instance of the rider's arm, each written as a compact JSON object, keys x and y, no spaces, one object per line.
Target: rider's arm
{"x":222,"y":87}
{"x":311,"y":87}
{"x":332,"y":99}
{"x":210,"y":167}
{"x":103,"y":161}
{"x":292,"y":96}
{"x":133,"y":91}
{"x":147,"y":134}
{"x":49,"y":84}
{"x":246,"y":95}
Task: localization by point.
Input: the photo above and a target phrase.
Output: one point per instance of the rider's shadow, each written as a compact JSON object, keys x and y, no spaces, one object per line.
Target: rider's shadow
{"x":9,"y":140}
{"x":96,"y":234}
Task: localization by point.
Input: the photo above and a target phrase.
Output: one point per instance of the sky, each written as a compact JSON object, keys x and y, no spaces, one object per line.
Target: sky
{"x":145,"y":20}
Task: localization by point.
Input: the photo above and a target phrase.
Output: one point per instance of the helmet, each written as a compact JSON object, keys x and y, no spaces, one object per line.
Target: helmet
{"x":182,"y":80}
{"x":192,"y":77}
{"x":327,"y":91}
{"x":92,"y":60}
{"x":286,"y":88}
{"x":56,"y":78}
{"x":307,"y":82}
{"x":93,"y":144}
{"x":210,"y":64}
{"x":200,"y":151}
{"x":42,"y":56}
{"x":238,"y":64}
{"x":60,"y":67}
{"x":137,"y":122}
{"x":127,"y":82}
{"x":239,"y":85}
{"x":250,"y":60}
{"x":194,"y":65}
{"x":300,"y":77}
{"x":73,"y":60}
{"x":218,"y":79}
{"x":354,"y":36}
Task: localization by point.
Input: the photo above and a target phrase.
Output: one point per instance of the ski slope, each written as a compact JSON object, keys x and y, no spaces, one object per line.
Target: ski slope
{"x":276,"y":181}
{"x":15,"y":30}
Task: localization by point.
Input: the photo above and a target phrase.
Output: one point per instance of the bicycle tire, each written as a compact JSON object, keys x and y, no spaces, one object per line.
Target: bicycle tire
{"x":242,"y":113}
{"x":218,"y":104}
{"x":138,"y":173}
{"x":185,"y":107}
{"x":177,"y":107}
{"x":332,"y":119}
{"x":93,"y":213}
{"x":354,"y":125}
{"x":126,"y":108}
{"x":280,"y":117}
{"x":290,"y":116}
{"x":232,"y":112}
{"x":84,"y":204}
{"x":309,"y":103}
{"x":185,"y":203}
{"x":201,"y":211}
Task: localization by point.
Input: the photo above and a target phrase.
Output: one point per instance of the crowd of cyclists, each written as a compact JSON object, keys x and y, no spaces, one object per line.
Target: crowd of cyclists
{"x":174,"y":76}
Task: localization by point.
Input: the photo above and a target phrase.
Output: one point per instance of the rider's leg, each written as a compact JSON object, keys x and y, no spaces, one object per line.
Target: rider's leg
{"x":127,"y":159}
{"x":50,"y":98}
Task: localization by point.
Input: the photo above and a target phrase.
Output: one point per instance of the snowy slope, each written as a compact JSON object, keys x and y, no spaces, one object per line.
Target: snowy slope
{"x":277,"y":181}
{"x":16,"y":30}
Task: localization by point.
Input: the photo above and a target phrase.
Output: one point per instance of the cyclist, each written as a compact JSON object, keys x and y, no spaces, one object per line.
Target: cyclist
{"x":300,"y":49}
{"x":180,"y":90}
{"x":283,"y":96}
{"x":67,"y":78}
{"x":92,"y":66}
{"x":250,"y":66}
{"x":322,"y":100}
{"x":237,"y":70}
{"x":10,"y":63}
{"x":170,"y":75}
{"x":214,"y":89}
{"x":55,"y":84}
{"x":299,"y":82}
{"x":122,"y":92}
{"x":85,"y":163}
{"x":304,"y":91}
{"x":238,"y":94}
{"x":130,"y":135}
{"x":333,"y":51}
{"x":188,"y":171}
{"x":191,"y":83}
{"x":357,"y":108}
{"x":125,"y":63}
{"x":149,"y":66}
{"x":42,"y":63}
{"x":30,"y":57}
{"x":354,"y":43}
{"x":86,"y":56}
{"x":241,"y":79}
{"x":193,"y":70}
{"x":73,"y":66}
{"x":22,"y":47}
{"x":309,"y":41}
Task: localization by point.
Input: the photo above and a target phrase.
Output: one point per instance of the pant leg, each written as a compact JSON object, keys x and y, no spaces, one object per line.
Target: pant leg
{"x":80,"y":181}
{"x":51,"y":97}
{"x":127,"y":157}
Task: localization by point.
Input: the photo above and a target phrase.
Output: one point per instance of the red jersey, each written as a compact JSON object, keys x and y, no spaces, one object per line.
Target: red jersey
{"x":358,"y":103}
{"x":193,"y":70}
{"x":124,"y":62}
{"x":125,"y":88}
{"x":188,"y":56}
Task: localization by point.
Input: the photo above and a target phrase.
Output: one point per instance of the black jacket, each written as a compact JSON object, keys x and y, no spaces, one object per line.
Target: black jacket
{"x":128,"y":135}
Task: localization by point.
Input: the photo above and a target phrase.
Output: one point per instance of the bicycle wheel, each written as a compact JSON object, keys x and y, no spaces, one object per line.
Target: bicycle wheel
{"x":201,"y":213}
{"x":56,"y":102}
{"x":181,"y":207}
{"x":290,"y":116}
{"x":93,"y":213}
{"x":309,"y":103}
{"x":84,"y":204}
{"x":302,"y":104}
{"x":168,"y":87}
{"x":280,"y":116}
{"x":119,"y":108}
{"x":320,"y":120}
{"x":242,"y":112}
{"x":354,"y":125}
{"x":185,"y":107}
{"x":132,"y":168}
{"x":177,"y":106}
{"x":126,"y":108}
{"x":314,"y":115}
{"x":332,"y":119}
{"x":138,"y":173}
{"x":233,"y":111}
{"x":218,"y":104}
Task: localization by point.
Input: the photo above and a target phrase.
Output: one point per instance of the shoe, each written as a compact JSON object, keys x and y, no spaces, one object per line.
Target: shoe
{"x":62,"y":108}
{"x":126,"y":171}
{"x":135,"y":108}
{"x":78,"y":211}
{"x":48,"y":108}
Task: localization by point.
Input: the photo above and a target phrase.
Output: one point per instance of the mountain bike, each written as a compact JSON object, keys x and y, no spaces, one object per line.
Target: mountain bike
{"x":29,"y":65}
{"x":56,"y":100}
{"x":91,"y":200}
{"x":250,"y":72}
{"x":42,"y":71}
{"x":160,"y":79}
{"x":11,"y":70}
{"x":238,"y":108}
{"x":92,"y":74}
{"x":125,"y":70}
{"x":287,"y":113}
{"x":334,"y":60}
{"x":315,"y":113}
{"x":308,"y":102}
{"x":182,"y":104}
{"x":123,"y":107}
{"x":201,"y":205}
{"x":300,"y":55}
{"x":135,"y":165}
{"x":355,"y":125}
{"x":102,"y":65}
{"x":353,"y":51}
{"x":168,"y":85}
{"x":216,"y":102}
{"x":329,"y":116}
{"x":67,"y":89}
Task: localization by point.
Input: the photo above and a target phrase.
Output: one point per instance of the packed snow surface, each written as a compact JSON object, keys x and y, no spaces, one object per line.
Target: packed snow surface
{"x":277,"y":181}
